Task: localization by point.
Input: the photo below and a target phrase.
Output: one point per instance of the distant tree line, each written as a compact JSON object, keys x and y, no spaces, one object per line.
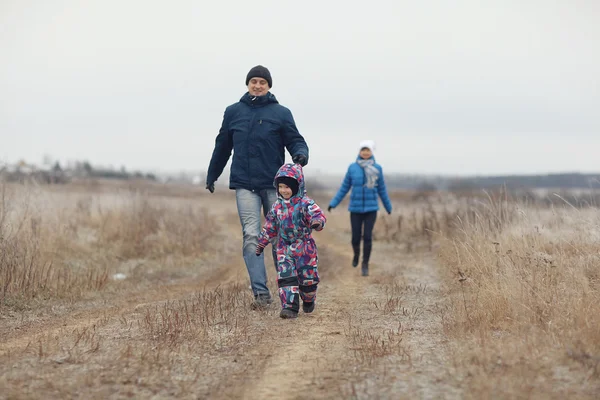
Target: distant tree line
{"x":85,"y":169}
{"x":431,"y":183}
{"x":21,"y":172}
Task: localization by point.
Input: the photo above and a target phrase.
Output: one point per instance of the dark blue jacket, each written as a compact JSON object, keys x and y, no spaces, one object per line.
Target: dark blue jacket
{"x":362,"y":198}
{"x":258,"y":130}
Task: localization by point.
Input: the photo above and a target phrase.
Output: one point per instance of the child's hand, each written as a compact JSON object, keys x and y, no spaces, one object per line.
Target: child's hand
{"x":316,"y":225}
{"x":259,"y":250}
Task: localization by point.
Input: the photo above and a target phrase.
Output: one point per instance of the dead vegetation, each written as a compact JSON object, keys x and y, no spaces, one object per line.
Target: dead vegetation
{"x":61,"y":244}
{"x":214,"y":318}
{"x":521,"y":303}
{"x":524,"y":300}
{"x":177,"y":349}
{"x":517,"y":314}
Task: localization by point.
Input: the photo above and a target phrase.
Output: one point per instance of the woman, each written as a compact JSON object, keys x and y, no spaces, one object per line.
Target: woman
{"x":365,"y":177}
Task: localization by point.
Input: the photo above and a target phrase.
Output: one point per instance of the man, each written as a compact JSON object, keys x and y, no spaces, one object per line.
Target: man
{"x":258,"y":130}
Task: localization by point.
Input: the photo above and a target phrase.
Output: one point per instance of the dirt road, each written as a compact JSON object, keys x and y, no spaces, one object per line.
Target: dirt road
{"x":369,"y":337}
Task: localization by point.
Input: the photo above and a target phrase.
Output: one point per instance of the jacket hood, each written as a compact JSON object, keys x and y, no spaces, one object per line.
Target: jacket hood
{"x":259,"y":101}
{"x":291,"y":171}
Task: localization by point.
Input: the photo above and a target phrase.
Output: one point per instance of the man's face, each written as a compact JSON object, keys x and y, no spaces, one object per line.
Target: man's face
{"x":258,"y":86}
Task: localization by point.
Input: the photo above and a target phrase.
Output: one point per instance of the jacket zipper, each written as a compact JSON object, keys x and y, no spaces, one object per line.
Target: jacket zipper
{"x":251,"y":123}
{"x":363,"y":189}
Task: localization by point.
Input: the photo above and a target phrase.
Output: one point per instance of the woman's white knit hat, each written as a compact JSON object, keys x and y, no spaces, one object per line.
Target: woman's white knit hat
{"x":369,"y":144}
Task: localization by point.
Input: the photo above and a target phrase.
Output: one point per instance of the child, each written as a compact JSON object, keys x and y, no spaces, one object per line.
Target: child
{"x":291,"y":219}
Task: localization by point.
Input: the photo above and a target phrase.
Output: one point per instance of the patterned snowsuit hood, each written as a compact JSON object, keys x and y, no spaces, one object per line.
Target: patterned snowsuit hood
{"x":293,"y":171}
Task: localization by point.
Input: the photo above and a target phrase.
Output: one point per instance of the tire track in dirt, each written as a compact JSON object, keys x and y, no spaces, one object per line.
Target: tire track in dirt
{"x":309,"y":351}
{"x":124,"y":303}
{"x":310,"y":354}
{"x":118,"y":306}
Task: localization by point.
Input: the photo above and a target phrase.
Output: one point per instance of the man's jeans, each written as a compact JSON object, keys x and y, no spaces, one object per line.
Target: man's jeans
{"x":249,"y":205}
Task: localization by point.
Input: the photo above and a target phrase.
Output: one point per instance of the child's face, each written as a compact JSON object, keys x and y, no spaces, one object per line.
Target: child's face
{"x":285,"y":191}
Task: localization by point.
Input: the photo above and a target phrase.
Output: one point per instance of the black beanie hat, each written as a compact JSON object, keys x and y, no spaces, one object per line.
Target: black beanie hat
{"x":290,"y":182}
{"x":260,"y":72}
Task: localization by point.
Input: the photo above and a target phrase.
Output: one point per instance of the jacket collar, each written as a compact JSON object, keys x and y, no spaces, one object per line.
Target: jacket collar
{"x":258,"y":101}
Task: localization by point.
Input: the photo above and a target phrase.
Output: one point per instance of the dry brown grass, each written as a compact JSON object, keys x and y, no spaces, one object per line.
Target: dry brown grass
{"x":418,"y":225}
{"x":521,"y":298}
{"x":175,"y":349}
{"x":523,"y":310}
{"x":56,"y":244}
{"x":369,"y":347}
{"x":519,"y":307}
{"x":213,"y":318}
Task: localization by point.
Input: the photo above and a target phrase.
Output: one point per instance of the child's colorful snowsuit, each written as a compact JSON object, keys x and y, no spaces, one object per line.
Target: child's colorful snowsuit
{"x":291,"y":221}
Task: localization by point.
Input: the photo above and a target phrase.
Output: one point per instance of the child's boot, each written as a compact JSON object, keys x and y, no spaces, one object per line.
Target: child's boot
{"x":288,"y":313}
{"x":308,"y":307}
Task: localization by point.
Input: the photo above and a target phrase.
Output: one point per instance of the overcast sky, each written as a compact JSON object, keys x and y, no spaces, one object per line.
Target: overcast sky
{"x":450,"y":87}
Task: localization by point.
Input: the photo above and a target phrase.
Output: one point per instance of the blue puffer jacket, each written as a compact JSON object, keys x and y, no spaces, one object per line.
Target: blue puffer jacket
{"x":258,"y":130}
{"x":362,"y":198}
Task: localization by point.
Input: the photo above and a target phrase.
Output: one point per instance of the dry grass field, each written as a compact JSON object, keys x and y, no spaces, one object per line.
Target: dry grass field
{"x":138,"y":290}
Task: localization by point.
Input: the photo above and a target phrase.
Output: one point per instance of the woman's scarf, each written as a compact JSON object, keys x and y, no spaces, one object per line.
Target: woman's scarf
{"x":371,"y":172}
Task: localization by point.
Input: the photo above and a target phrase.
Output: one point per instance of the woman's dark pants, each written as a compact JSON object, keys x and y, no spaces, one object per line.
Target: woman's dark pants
{"x":362,"y":226}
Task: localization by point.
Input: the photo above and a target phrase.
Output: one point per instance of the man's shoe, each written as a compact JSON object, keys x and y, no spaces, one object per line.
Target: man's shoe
{"x":355,"y":260}
{"x":308,"y":307}
{"x":261,"y":301}
{"x":288,"y":313}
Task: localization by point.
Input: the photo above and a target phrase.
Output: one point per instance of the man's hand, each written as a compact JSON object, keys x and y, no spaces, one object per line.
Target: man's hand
{"x":210,"y":186}
{"x":299,"y":159}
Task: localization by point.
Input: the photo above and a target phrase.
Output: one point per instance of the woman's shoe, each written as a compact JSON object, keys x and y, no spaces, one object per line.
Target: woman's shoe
{"x":356,"y":250}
